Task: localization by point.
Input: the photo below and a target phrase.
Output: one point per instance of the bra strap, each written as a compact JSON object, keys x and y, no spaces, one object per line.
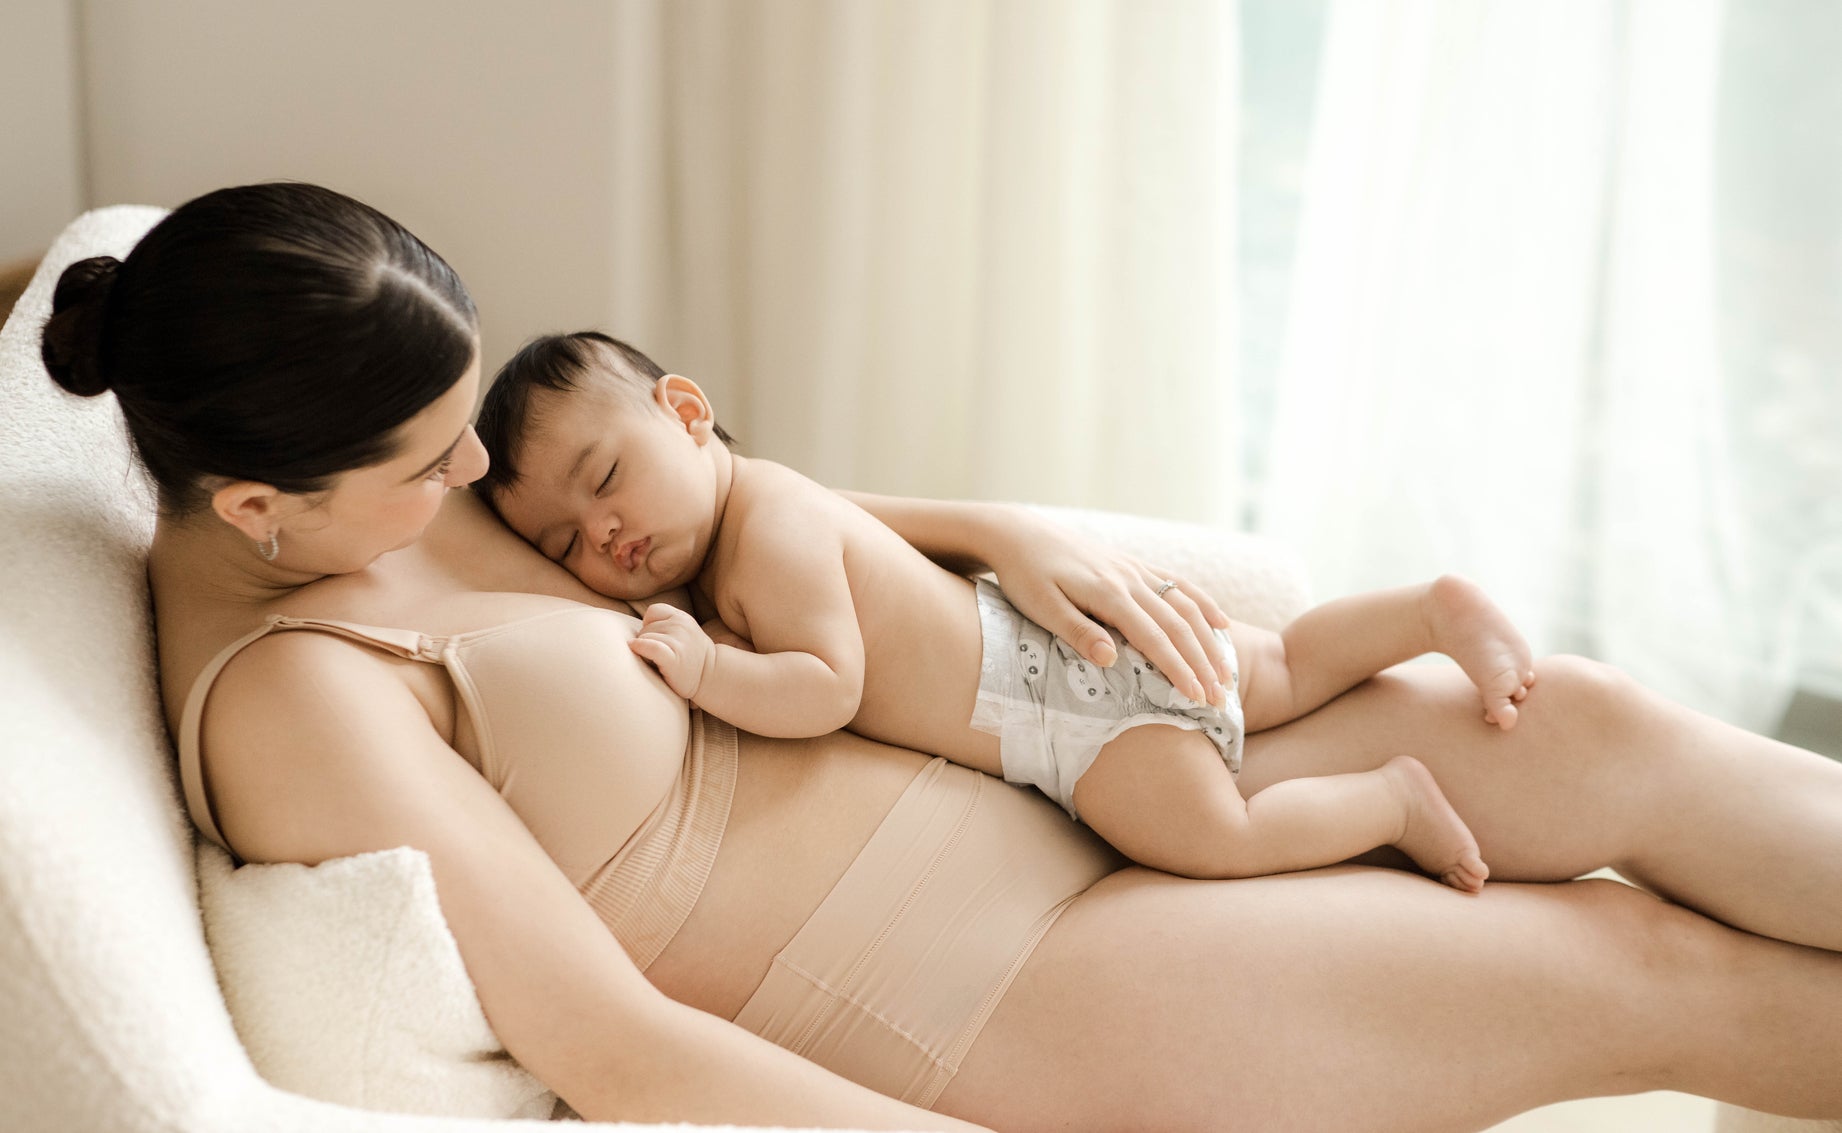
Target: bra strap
{"x":403,"y":643}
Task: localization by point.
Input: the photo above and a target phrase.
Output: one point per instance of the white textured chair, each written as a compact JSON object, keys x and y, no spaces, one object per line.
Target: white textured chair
{"x":113,"y":1015}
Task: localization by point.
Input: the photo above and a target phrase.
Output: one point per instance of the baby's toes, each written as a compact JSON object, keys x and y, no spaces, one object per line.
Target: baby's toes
{"x":1467,"y":876}
{"x":1499,"y":705}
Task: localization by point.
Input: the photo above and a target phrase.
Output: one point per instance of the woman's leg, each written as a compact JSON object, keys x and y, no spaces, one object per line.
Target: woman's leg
{"x":1366,"y":999}
{"x":1600,"y":771}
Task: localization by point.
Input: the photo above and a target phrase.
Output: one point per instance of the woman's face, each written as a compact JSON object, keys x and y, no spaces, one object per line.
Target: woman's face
{"x":371,"y":511}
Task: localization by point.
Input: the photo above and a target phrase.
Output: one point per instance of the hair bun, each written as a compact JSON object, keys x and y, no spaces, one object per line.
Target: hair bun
{"x":71,"y":344}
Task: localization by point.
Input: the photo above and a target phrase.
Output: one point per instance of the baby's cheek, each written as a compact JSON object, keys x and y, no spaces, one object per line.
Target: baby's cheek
{"x":601,"y":577}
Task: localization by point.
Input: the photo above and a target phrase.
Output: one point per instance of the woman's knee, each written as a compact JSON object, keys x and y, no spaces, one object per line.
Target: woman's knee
{"x":1591,"y":694}
{"x":1615,"y":737}
{"x":1576,"y":676}
{"x":1652,"y":968}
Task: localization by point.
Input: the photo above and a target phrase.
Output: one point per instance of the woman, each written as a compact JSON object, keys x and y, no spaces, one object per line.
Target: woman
{"x":356,"y":657}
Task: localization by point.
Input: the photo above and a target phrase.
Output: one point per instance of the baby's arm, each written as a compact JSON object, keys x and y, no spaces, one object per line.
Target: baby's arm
{"x":1331,"y":648}
{"x":806,"y":676}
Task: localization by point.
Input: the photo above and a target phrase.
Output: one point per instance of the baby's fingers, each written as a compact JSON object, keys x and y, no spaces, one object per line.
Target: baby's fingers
{"x":659,"y":615}
{"x":663,"y":654}
{"x":655,"y":648}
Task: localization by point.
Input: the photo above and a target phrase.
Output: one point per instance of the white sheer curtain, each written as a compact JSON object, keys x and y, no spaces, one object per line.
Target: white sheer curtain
{"x":987,"y":248}
{"x":1501,"y":354}
{"x":962,"y":247}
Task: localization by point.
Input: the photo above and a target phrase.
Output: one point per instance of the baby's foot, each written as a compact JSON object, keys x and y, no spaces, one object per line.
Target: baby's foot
{"x":1433,"y":835}
{"x":1469,"y":628}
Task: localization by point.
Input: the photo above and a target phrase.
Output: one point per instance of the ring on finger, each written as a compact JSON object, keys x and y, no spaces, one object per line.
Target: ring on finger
{"x":1166,"y":585}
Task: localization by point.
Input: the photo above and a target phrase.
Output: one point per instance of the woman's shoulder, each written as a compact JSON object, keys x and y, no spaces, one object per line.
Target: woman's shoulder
{"x":298,"y":683}
{"x":292,"y":713}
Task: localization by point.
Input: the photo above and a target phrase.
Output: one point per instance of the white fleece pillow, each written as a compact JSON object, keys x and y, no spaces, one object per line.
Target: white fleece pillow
{"x":346,"y":985}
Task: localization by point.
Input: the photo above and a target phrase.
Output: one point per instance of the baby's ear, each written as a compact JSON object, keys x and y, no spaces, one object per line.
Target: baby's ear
{"x":684,"y":400}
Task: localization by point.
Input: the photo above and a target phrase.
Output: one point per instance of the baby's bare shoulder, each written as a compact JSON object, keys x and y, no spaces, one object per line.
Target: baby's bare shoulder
{"x":776,"y":483}
{"x":771,"y":501}
{"x":775,"y":520}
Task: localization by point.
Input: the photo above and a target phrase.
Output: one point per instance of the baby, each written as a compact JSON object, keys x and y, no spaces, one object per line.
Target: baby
{"x":618,"y":471}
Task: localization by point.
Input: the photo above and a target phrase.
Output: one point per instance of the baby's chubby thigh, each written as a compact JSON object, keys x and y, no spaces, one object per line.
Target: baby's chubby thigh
{"x":1163,"y":796}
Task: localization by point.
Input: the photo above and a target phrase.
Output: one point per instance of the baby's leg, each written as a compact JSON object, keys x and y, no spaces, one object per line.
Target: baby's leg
{"x":1162,"y":796}
{"x":1469,"y":628}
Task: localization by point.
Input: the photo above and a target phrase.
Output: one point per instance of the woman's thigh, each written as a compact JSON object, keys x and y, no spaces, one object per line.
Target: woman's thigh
{"x":1600,"y":771}
{"x":1356,"y":998}
{"x":1559,"y":795}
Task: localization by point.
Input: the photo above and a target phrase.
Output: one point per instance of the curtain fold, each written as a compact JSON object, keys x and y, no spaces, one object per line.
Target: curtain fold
{"x":1501,"y":352}
{"x":965,"y":248}
{"x":987,"y":248}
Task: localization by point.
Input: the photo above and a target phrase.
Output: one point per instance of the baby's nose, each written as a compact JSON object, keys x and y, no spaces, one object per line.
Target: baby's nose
{"x":609,"y":528}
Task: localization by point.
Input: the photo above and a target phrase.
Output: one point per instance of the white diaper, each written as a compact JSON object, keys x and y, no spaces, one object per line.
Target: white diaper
{"x":1053,"y":710}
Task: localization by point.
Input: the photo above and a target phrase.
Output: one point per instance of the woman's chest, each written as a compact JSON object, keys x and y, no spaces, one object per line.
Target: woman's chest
{"x":542,"y":696}
{"x":580,"y":737}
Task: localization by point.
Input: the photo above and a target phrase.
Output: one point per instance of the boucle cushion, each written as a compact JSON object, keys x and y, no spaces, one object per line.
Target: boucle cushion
{"x":346,"y":985}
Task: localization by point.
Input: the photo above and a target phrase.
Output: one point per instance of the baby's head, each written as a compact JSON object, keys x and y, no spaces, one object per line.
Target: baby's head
{"x":604,"y":462}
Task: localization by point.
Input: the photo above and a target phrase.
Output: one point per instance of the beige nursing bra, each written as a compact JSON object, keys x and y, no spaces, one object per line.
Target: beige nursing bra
{"x":625,"y":788}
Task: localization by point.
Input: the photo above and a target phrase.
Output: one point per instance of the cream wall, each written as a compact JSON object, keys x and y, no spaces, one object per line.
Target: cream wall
{"x":482,"y":127}
{"x":40,"y":172}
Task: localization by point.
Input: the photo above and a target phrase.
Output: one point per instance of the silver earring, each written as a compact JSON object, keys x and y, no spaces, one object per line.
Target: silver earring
{"x":272,"y":547}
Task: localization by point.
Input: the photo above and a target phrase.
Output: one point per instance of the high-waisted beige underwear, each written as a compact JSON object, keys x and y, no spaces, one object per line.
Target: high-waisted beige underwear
{"x":902,"y":964}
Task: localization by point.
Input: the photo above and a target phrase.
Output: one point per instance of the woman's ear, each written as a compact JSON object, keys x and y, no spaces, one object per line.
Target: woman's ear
{"x":254,"y":508}
{"x":681,"y":397}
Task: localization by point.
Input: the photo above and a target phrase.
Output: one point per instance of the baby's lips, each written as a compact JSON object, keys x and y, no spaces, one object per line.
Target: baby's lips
{"x":628,"y":555}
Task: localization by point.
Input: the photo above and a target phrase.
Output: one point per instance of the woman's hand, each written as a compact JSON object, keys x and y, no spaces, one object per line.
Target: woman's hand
{"x":1070,"y":585}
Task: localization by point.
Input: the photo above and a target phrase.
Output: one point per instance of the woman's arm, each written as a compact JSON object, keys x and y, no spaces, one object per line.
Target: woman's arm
{"x":1067,"y":584}
{"x":295,"y":780}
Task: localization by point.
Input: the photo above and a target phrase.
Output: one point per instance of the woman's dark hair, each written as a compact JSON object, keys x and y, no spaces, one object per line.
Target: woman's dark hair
{"x":560,"y":363}
{"x":279,"y":333}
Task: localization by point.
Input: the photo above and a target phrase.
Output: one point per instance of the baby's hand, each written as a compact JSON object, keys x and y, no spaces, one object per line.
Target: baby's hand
{"x":673,"y":642}
{"x":1469,"y":628}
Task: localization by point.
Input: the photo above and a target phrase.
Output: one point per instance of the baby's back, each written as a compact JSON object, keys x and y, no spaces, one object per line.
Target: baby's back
{"x":919,"y":621}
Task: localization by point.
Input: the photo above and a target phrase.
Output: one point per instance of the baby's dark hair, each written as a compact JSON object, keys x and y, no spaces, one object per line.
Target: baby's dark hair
{"x":560,"y":363}
{"x":279,"y":332}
